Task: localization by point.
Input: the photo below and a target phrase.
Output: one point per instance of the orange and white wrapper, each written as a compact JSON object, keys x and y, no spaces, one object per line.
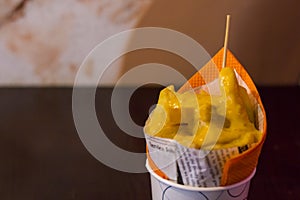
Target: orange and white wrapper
{"x":201,"y":168}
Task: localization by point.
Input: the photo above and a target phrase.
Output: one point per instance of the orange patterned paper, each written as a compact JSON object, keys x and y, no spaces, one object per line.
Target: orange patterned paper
{"x":241,"y":166}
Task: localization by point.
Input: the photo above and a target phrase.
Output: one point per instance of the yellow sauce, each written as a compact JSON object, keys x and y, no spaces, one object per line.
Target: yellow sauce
{"x":187,"y":117}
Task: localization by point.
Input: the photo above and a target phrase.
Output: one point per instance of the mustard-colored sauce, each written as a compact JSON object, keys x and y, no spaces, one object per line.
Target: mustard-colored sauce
{"x":187,"y":117}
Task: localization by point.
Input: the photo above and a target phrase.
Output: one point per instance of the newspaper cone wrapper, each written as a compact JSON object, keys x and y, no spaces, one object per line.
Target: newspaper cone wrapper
{"x":200,"y":168}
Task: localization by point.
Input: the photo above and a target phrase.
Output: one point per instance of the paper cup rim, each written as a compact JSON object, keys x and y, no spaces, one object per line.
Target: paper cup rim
{"x":191,"y":188}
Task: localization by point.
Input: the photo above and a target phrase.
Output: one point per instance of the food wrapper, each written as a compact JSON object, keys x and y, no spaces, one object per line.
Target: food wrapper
{"x":204,"y":168}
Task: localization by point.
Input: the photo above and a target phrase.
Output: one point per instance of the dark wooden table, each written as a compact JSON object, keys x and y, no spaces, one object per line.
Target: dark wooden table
{"x":42,"y":156}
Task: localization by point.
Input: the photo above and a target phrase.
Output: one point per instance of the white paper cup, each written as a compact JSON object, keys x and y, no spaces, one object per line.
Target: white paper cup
{"x":163,"y":189}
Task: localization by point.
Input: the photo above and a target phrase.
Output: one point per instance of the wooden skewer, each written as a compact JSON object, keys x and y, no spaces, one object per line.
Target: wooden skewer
{"x":226,"y":41}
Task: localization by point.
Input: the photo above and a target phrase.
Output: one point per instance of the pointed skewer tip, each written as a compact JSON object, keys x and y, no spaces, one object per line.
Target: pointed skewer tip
{"x":226,"y":40}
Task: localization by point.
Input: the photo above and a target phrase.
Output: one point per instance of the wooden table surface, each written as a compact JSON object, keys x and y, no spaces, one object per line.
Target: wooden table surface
{"x":42,"y":156}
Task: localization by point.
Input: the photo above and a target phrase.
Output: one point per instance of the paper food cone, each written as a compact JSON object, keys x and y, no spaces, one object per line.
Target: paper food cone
{"x":240,"y":165}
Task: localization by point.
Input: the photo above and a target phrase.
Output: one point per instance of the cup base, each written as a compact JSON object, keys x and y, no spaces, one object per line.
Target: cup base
{"x":164,"y":189}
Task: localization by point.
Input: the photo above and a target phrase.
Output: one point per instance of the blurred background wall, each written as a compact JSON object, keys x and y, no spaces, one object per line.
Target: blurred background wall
{"x":43,"y":42}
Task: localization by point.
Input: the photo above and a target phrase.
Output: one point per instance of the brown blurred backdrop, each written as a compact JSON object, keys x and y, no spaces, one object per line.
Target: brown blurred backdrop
{"x":264,"y":35}
{"x":44,"y":42}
